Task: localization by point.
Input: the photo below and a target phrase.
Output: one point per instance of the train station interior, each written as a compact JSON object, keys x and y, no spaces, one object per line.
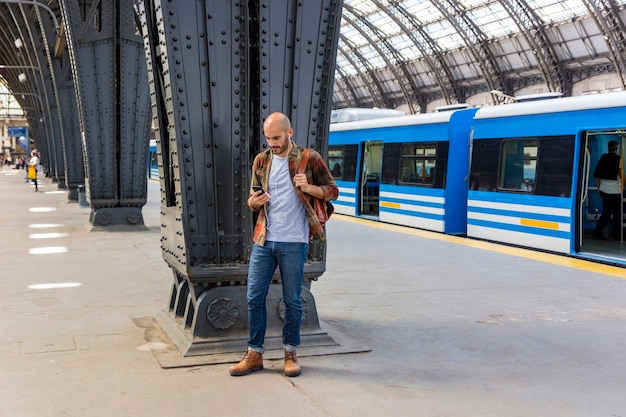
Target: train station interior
{"x":463,"y":274}
{"x":410,"y":55}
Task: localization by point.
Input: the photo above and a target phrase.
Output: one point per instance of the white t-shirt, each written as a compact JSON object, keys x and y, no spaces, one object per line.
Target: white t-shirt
{"x":34,"y":161}
{"x":611,"y":186}
{"x":286,"y":217}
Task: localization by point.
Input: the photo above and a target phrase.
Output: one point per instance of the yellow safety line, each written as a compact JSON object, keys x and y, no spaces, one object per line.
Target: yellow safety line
{"x":494,"y":247}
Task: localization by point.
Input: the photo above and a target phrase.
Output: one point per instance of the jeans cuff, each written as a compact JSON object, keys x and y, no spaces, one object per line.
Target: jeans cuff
{"x":257,"y":349}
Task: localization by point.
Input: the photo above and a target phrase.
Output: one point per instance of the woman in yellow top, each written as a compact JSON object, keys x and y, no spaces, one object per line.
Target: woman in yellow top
{"x":34,"y":162}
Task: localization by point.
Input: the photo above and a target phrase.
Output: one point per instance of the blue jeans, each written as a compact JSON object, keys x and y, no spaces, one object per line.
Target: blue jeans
{"x":290,"y":258}
{"x":610,"y":206}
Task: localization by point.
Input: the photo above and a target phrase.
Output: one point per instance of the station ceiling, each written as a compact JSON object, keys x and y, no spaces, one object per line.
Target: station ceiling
{"x":417,"y":54}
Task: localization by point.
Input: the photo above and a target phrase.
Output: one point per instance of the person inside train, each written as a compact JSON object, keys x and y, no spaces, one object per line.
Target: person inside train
{"x":428,"y":179}
{"x":608,"y":180}
{"x":336,"y":171}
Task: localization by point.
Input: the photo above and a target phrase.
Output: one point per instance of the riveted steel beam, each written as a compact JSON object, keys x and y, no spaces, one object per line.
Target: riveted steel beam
{"x":107,"y":59}
{"x":216,"y":69}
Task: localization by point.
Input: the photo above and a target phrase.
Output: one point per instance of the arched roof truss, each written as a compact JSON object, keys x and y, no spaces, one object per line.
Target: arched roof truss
{"x":606,"y":15}
{"x":364,"y":69}
{"x":395,"y":62}
{"x":451,"y":49}
{"x":533,"y":29}
{"x":24,"y":60}
{"x":429,"y":50}
{"x":475,"y":41}
{"x":410,"y":54}
{"x":346,"y":89}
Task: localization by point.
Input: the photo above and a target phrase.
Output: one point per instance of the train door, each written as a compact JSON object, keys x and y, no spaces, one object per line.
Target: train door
{"x":369,"y":182}
{"x":594,"y":144}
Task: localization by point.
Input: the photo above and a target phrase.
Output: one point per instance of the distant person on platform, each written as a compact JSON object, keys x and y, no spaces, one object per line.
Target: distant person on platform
{"x":285,"y":224}
{"x":34,"y":162}
{"x":608,"y":179}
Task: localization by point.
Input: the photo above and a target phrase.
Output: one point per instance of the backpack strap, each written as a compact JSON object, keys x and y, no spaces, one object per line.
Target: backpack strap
{"x":304,"y":160}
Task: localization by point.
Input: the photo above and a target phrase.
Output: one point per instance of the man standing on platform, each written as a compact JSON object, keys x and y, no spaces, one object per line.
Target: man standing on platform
{"x":286,"y":222}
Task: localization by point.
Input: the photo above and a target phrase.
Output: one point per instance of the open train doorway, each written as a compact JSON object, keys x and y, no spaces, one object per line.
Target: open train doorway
{"x":612,"y":244}
{"x":369,"y":187}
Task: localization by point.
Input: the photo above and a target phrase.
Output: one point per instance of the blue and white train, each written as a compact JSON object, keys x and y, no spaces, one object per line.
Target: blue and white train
{"x":518,"y":174}
{"x":153,"y":164}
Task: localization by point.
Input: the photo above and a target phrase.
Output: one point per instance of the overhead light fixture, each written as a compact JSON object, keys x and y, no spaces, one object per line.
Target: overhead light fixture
{"x":22,"y":77}
{"x":18,"y":43}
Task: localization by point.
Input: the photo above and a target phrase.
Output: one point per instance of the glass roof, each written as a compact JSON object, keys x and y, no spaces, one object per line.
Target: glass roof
{"x":428,"y":22}
{"x":9,"y":107}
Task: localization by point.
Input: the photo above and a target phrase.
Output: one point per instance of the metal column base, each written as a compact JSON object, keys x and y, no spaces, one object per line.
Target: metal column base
{"x":214,"y":329}
{"x":105,"y":218}
{"x":218,"y":323}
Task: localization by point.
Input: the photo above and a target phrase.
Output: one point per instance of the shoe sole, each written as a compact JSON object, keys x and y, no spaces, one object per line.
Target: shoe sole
{"x":258,"y":368}
{"x":292,"y":374}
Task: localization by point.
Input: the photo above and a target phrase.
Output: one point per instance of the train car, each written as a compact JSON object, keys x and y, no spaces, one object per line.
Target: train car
{"x":531,"y":180}
{"x":352,"y":114}
{"x":407,"y":170}
{"x":153,"y":165}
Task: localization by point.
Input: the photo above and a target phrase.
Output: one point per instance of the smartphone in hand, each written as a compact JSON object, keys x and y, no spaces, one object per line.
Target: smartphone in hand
{"x":258,"y":188}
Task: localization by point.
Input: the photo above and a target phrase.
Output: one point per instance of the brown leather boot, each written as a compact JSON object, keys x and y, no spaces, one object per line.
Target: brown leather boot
{"x":292,"y":368}
{"x":252,"y":361}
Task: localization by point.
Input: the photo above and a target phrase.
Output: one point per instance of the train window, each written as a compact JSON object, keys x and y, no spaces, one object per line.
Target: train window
{"x":336,"y":161}
{"x":390,"y":168}
{"x":551,"y":159}
{"x":518,"y":165}
{"x":342,"y":161}
{"x":418,"y":163}
{"x":485,"y":156}
{"x":555,"y":167}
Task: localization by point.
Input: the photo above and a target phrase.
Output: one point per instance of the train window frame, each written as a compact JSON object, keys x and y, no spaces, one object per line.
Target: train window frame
{"x":413,"y":158}
{"x":511,"y":182}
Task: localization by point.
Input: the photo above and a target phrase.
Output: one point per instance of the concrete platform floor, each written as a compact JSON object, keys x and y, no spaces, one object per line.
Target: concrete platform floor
{"x":455,"y":328}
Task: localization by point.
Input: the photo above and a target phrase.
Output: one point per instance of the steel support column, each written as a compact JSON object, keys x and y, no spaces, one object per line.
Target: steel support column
{"x":216,"y":70}
{"x":112,"y":95}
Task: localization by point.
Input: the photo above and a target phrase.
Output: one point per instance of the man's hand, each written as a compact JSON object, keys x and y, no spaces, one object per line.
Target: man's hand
{"x":301,"y":182}
{"x":258,"y":199}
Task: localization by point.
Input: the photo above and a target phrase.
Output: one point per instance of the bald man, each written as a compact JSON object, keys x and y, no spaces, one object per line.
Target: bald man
{"x":285,"y":225}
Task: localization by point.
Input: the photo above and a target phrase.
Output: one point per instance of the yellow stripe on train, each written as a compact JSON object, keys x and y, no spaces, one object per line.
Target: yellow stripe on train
{"x":539,"y":223}
{"x":389,"y":204}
